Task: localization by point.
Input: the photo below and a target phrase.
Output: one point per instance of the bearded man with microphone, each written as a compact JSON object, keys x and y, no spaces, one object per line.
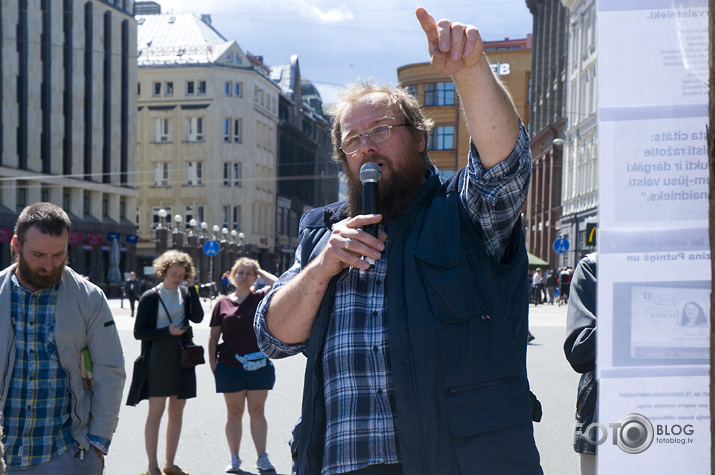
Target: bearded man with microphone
{"x":416,"y":364}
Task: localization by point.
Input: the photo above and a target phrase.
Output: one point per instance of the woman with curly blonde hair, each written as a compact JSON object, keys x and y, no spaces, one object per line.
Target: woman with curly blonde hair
{"x":243,"y":374}
{"x":162,"y":325}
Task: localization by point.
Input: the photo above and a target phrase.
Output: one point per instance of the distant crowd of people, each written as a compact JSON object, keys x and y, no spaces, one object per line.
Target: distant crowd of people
{"x":551,"y":286}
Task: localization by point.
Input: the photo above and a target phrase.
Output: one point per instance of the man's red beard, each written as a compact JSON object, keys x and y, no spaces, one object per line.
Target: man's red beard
{"x":395,"y":192}
{"x":36,"y":280}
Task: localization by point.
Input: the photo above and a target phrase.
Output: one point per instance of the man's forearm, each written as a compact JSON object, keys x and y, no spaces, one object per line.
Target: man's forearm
{"x":293,"y":308}
{"x":491,"y":117}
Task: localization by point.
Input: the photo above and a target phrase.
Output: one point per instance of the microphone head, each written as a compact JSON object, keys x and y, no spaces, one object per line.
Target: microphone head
{"x":370,"y":172}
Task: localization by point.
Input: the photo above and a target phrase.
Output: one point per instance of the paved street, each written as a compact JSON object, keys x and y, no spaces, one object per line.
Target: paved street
{"x":203,"y":449}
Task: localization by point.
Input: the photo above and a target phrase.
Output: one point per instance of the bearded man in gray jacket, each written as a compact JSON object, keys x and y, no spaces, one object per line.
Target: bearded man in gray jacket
{"x":53,"y":416}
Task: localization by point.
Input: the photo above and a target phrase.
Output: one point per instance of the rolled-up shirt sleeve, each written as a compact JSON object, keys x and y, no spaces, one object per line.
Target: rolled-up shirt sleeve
{"x":270,"y":345}
{"x":494,"y":197}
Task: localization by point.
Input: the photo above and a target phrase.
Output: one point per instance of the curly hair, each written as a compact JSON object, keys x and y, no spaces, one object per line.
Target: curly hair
{"x":396,"y":98}
{"x":241,"y":262}
{"x":169,"y":258}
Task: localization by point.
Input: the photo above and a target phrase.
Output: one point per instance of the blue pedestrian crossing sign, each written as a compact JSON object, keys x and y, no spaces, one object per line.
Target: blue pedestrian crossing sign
{"x":561,"y":245}
{"x":211,"y":248}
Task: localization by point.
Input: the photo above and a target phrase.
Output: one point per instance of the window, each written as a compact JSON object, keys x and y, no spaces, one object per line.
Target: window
{"x":237,"y":175}
{"x":162,"y":130}
{"x":226,"y":215}
{"x":237,"y":126}
{"x":188,"y":215}
{"x":412,"y":90}
{"x":226,"y":130}
{"x":439,"y":94}
{"x":44,"y":194}
{"x":66,"y":200}
{"x":194,"y":173}
{"x":169,"y":90}
{"x":227,"y":88}
{"x":105,"y":206}
{"x":200,"y":214}
{"x":139,"y":89}
{"x":226,"y":174}
{"x":442,"y":138}
{"x":196,"y":129}
{"x":161,"y":174}
{"x":236,"y":217}
{"x":202,"y":88}
{"x":190,"y":88}
{"x":237,"y":89}
{"x":157,"y":89}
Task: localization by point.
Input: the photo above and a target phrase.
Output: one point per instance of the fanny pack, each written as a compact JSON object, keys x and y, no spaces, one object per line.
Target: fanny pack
{"x":253,"y":361}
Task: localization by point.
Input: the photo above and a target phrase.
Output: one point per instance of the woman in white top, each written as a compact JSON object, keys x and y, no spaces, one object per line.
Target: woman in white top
{"x":162,"y":325}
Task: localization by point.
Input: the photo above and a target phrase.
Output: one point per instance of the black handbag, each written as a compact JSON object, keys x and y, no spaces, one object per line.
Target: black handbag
{"x":191,"y":354}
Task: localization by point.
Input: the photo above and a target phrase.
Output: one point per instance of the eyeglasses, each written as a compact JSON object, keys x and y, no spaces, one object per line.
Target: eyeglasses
{"x":376,"y":135}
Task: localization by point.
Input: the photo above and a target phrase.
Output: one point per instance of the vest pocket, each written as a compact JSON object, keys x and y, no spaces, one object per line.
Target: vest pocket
{"x":449,"y":286}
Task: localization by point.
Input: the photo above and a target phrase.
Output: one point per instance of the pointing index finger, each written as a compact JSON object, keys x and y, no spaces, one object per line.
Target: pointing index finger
{"x":429,"y":26}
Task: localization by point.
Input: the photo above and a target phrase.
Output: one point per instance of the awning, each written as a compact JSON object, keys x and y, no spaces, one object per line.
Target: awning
{"x":535,"y":262}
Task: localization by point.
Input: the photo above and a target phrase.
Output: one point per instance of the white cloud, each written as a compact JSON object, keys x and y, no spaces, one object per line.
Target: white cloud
{"x":332,"y":15}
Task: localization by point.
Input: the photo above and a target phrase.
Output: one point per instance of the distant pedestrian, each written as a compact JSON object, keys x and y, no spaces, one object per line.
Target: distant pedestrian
{"x":132,"y":290}
{"x":551,"y":283}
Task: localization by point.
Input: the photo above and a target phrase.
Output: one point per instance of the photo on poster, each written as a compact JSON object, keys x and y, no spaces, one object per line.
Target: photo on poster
{"x":661,"y":323}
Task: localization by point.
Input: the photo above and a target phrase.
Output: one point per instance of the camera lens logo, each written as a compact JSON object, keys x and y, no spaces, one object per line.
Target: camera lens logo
{"x":635,"y":433}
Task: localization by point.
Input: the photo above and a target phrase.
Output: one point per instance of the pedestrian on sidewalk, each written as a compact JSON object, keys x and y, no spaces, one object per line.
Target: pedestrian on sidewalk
{"x":550,"y":284}
{"x":242,"y":372}
{"x":402,"y":350}
{"x":580,"y":350}
{"x":162,"y":325}
{"x":132,"y":291}
{"x":55,"y":415}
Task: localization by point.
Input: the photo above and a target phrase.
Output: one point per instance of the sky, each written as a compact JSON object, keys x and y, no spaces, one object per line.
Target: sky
{"x":342,"y":42}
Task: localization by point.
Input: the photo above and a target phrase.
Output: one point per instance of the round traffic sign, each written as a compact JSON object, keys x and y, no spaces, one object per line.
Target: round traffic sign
{"x":211,"y":248}
{"x":561,"y":245}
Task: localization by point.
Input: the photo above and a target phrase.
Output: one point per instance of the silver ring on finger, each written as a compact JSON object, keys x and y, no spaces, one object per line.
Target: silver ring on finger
{"x":346,"y":244}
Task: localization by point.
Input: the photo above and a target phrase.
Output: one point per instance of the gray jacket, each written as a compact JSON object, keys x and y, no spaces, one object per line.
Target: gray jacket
{"x":82,"y":320}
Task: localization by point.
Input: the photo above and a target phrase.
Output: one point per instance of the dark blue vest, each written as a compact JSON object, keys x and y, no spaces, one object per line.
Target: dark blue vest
{"x":458,"y":326}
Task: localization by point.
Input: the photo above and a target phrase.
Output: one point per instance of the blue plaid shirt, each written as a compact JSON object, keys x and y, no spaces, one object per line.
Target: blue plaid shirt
{"x":361,"y":427}
{"x":36,"y":418}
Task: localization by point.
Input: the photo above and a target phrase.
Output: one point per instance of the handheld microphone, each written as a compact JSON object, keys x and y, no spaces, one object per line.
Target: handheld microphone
{"x":370,"y":177}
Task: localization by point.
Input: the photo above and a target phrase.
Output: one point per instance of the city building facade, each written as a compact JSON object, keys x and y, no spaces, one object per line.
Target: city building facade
{"x":580,"y":165}
{"x":449,"y":141}
{"x":207,"y":136}
{"x":68,"y":125}
{"x":307,"y":175}
{"x":547,"y":128}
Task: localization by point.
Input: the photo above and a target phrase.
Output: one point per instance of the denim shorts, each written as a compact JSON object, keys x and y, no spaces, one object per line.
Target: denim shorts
{"x":232,"y":380}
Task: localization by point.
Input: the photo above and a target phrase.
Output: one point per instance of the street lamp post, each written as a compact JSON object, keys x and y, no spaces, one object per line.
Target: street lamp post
{"x":162,"y":234}
{"x":193,"y":244}
{"x":203,"y":275}
{"x":214,"y":276}
{"x":177,"y":237}
{"x":233,"y":247}
{"x":224,"y":250}
{"x":241,"y":250}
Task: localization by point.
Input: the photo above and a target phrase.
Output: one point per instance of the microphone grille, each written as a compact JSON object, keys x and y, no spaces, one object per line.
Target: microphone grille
{"x":370,"y":172}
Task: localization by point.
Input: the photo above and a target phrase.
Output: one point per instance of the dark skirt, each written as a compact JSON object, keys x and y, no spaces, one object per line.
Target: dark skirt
{"x":165,"y":374}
